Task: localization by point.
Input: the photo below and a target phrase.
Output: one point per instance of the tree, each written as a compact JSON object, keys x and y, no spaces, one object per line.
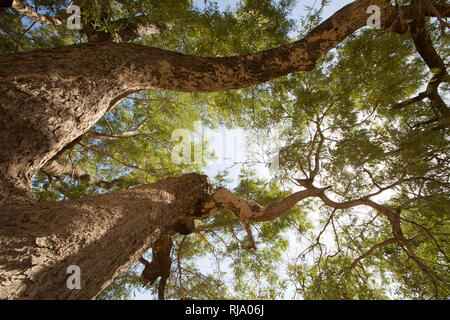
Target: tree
{"x":65,"y":99}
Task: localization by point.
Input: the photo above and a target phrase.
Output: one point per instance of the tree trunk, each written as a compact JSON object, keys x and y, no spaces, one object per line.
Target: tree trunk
{"x":102,"y":235}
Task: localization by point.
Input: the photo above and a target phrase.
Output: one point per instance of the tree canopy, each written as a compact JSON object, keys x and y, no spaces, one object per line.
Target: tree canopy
{"x":364,"y":134}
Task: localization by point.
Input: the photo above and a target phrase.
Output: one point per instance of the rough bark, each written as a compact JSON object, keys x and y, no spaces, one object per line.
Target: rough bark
{"x":249,"y":211}
{"x":103,"y":235}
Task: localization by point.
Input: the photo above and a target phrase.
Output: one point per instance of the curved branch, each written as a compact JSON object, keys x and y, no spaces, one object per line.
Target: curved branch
{"x":250,"y":211}
{"x":116,"y":100}
{"x":393,"y":217}
{"x":174,"y":71}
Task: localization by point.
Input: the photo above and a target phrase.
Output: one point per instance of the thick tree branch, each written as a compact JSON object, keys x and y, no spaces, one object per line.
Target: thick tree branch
{"x":60,"y":171}
{"x":194,"y":74}
{"x":127,"y":30}
{"x":250,"y":211}
{"x":424,"y":46}
{"x":102,"y":234}
{"x":61,"y":92}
